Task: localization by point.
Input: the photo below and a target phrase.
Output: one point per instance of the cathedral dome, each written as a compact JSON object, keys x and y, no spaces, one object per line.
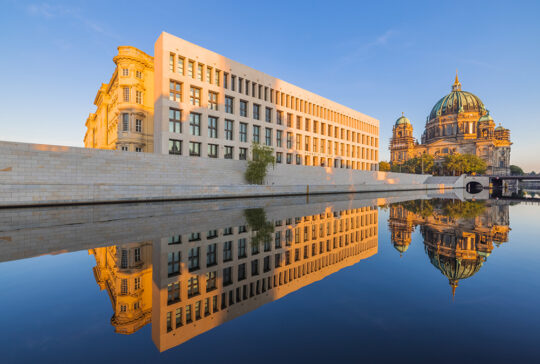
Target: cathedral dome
{"x":402,"y":120}
{"x":457,"y":101}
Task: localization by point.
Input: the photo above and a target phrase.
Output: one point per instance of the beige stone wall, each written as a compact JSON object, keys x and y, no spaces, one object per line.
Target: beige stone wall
{"x":37,"y":174}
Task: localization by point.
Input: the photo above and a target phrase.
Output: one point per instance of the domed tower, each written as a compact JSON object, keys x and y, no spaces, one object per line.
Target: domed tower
{"x":401,"y":226}
{"x":454,"y":115}
{"x":402,"y":142}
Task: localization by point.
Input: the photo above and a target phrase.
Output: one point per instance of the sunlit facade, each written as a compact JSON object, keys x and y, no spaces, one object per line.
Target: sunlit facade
{"x":458,"y":123}
{"x":124,"y":117}
{"x":125,"y":272}
{"x":209,"y":106}
{"x":207,"y":278}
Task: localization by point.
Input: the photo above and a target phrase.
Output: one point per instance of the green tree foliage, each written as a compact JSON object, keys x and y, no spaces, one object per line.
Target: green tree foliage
{"x":516,"y":171}
{"x":384,"y":166}
{"x":419,"y":164}
{"x":451,"y":208}
{"x":261,"y":228}
{"x":256,"y":170}
{"x":456,"y":164}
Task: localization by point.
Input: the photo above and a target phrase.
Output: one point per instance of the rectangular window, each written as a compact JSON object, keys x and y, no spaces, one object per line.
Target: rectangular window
{"x":195,"y":124}
{"x":193,"y":258}
{"x":125,"y":72}
{"x":298,"y":159}
{"x":189,"y":317}
{"x":125,"y":122}
{"x":200,"y":72}
{"x":138,"y":149}
{"x":212,"y":151}
{"x":233,"y":82}
{"x":243,"y":132}
{"x":227,"y":251}
{"x":227,"y":276}
{"x":279,"y":134}
{"x":211,"y":255}
{"x":211,"y":279}
{"x":225,"y":80}
{"x":242,"y":271}
{"x":242,"y":154}
{"x":169,"y":321}
{"x":279,"y":117}
{"x":289,"y":158}
{"x":268,"y":136}
{"x":217,"y":77}
{"x":229,"y":124}
{"x":126,"y":94}
{"x":243,"y":108}
{"x":212,"y":127}
{"x":173,"y":293}
{"x":171,"y":62}
{"x":138,"y":74}
{"x":255,"y":267}
{"x":175,"y":147}
{"x":298,"y":122}
{"x":190,"y":69}
{"x":298,"y":142}
{"x":193,"y":286}
{"x":229,"y":104}
{"x":279,"y":157}
{"x":228,"y":152}
{"x":195,"y":96}
{"x":138,"y":125}
{"x":178,"y":316}
{"x":212,"y":100}
{"x":137,"y":255}
{"x":138,"y":97}
{"x":173,"y":264}
{"x":289,"y":120}
{"x":256,"y":111}
{"x":289,"y":140}
{"x":268,"y":115}
{"x":175,"y":91}
{"x":242,"y":248}
{"x":209,"y":74}
{"x":256,"y":134}
{"x":194,"y":149}
{"x":180,"y":65}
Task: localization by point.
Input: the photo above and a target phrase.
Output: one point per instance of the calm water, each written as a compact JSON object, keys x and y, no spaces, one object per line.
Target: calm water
{"x":358,"y":278}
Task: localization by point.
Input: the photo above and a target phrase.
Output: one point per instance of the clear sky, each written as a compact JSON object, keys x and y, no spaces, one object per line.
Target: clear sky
{"x":378,"y":57}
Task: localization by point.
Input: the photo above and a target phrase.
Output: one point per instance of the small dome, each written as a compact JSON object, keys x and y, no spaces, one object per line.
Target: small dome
{"x":499,"y":127}
{"x":402,"y":120}
{"x":401,"y":248}
{"x":486,"y":117}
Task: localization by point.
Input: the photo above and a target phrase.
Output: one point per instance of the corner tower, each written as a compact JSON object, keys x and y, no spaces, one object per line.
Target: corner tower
{"x":402,"y":142}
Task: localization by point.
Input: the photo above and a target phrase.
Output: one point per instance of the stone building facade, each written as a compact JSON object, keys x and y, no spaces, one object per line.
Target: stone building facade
{"x":123,"y":119}
{"x":458,"y":123}
{"x":190,"y":101}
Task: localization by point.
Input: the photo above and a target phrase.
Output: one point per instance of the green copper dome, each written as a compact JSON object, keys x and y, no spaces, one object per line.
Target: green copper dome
{"x":457,"y":101}
{"x":402,"y":120}
{"x":486,"y":117}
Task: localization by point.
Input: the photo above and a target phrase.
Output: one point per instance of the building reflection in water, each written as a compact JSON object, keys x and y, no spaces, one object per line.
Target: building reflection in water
{"x":205,"y":278}
{"x":458,"y":235}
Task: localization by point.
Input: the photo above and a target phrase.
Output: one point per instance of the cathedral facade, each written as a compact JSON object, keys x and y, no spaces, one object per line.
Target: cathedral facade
{"x":458,"y":123}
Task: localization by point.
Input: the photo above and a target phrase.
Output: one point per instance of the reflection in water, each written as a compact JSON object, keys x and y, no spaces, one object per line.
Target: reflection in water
{"x":202,"y":279}
{"x":458,"y":235}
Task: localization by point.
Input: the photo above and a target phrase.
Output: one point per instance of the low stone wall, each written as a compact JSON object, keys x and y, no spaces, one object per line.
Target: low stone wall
{"x":37,"y":174}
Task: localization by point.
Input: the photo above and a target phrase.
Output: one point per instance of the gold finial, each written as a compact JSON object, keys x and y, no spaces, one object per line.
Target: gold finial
{"x":453,"y":284}
{"x":402,"y":113}
{"x":456,"y":86}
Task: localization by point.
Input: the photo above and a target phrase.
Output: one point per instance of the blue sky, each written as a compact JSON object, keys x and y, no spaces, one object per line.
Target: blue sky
{"x":378,"y":57}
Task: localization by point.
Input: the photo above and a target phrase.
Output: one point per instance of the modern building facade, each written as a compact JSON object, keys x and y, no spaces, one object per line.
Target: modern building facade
{"x":458,"y":123}
{"x":201,"y":104}
{"x":123,"y":119}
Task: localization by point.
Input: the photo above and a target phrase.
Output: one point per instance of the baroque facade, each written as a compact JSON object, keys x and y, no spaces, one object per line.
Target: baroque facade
{"x":456,"y":245}
{"x":458,"y":123}
{"x":190,"y":101}
{"x":123,"y":119}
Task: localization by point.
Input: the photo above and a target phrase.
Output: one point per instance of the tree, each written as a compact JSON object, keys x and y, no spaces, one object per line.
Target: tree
{"x":261,"y":229}
{"x":457,"y":164}
{"x":256,"y":170}
{"x":515,"y":170}
{"x":384,"y":166}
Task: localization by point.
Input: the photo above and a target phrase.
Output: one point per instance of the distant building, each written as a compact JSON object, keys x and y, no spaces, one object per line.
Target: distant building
{"x":190,"y":101}
{"x":458,"y":123}
{"x":456,"y":246}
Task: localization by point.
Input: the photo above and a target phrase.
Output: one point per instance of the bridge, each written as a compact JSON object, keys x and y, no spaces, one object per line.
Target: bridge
{"x":499,"y":181}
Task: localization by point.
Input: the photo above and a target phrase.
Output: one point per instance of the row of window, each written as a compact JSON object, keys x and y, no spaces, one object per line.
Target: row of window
{"x":125,"y":73}
{"x":126,"y":95}
{"x":204,"y":73}
{"x":194,"y":254}
{"x":175,"y":94}
{"x":221,"y":301}
{"x":126,"y":123}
